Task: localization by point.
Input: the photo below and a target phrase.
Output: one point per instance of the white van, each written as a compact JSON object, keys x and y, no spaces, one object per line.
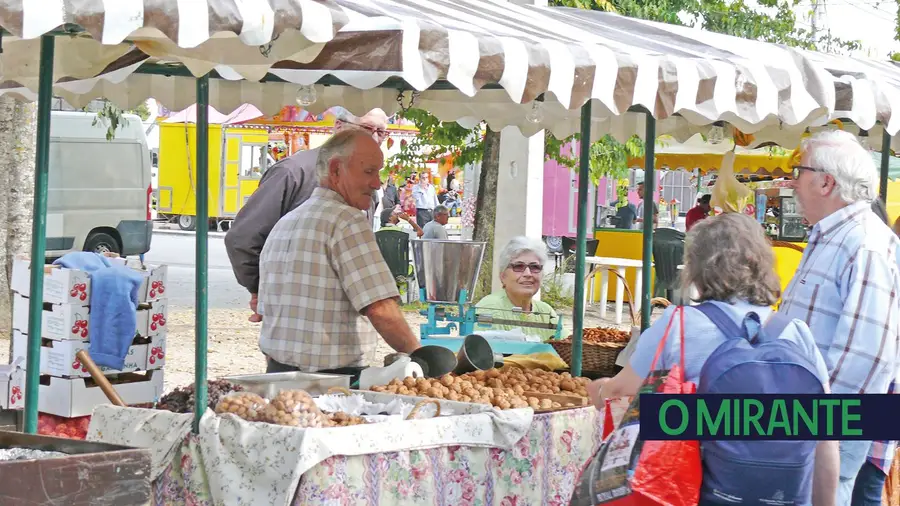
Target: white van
{"x":99,"y":190}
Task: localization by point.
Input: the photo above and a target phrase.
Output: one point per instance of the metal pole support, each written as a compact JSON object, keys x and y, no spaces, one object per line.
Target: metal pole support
{"x":39,"y":233}
{"x":885,"y":164}
{"x":584,"y":169}
{"x":649,"y":207}
{"x":201,"y":317}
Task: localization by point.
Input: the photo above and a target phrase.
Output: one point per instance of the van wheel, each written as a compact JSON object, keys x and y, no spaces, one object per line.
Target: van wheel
{"x":100,"y":242}
{"x":187,"y":222}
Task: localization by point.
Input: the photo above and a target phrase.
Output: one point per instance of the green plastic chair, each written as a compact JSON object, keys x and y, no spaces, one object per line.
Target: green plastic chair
{"x":394,"y":247}
{"x":668,"y":254}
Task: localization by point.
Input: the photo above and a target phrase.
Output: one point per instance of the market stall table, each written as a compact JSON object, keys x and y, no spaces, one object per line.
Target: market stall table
{"x":485,"y":456}
{"x":619,"y":264}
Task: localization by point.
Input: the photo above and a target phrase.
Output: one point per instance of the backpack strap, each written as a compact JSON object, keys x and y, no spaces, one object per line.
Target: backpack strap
{"x":777,"y":323}
{"x":721,"y":320}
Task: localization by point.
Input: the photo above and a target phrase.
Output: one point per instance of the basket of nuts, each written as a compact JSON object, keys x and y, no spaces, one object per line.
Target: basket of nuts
{"x":600,"y":345}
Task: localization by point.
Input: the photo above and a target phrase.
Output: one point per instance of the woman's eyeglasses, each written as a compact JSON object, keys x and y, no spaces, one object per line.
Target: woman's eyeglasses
{"x":796,"y":169}
{"x":519,"y":267}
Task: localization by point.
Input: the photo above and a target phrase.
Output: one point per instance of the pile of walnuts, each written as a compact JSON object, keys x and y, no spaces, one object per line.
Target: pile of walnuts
{"x":293,"y":408}
{"x":504,"y":389}
{"x":601,"y":335}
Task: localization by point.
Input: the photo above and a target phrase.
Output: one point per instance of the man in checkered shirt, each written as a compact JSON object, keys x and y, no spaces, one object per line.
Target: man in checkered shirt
{"x":846,"y":289}
{"x":323,"y":281}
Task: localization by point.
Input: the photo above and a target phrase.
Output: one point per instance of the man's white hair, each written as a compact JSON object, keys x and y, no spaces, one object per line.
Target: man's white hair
{"x":840,"y":155}
{"x":522,"y":244}
{"x":345,"y":116}
{"x":339,"y":146}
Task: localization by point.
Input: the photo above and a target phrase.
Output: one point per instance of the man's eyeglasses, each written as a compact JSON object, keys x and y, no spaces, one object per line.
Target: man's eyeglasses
{"x":519,"y":267}
{"x":795,"y":172}
{"x":381,"y":132}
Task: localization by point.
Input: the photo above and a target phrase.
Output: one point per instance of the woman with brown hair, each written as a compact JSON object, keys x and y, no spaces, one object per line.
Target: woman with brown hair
{"x":729,"y":262}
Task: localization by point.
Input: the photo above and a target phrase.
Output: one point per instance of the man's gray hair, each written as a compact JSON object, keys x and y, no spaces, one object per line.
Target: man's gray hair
{"x":840,"y":155}
{"x":345,"y":116}
{"x":519,"y":245}
{"x":339,"y":146}
{"x":440,"y":210}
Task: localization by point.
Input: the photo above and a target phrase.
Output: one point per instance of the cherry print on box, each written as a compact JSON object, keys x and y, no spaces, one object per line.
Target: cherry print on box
{"x":159,"y":320}
{"x":156,"y":353}
{"x":15,"y":395}
{"x":76,"y":365}
{"x":157,"y":287}
{"x":78,"y":291}
{"x":80,"y":327}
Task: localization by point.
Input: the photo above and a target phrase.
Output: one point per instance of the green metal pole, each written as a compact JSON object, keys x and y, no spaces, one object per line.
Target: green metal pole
{"x":885,"y":163}
{"x":38,"y":234}
{"x":202,"y":260}
{"x":649,"y":188}
{"x":584,"y":164}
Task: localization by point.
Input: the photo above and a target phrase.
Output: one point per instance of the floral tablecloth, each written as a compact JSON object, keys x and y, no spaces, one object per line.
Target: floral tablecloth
{"x":540,"y":469}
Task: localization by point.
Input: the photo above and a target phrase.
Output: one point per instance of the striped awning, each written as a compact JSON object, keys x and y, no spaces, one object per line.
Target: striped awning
{"x":490,"y":60}
{"x":199,"y":34}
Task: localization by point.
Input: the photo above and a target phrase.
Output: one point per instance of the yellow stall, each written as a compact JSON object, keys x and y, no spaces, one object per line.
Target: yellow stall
{"x":697,"y":154}
{"x":238,"y":156}
{"x":242,"y":145}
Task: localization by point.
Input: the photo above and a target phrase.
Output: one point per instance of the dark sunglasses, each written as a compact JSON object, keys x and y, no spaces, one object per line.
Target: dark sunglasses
{"x":521,"y":266}
{"x":795,"y":172}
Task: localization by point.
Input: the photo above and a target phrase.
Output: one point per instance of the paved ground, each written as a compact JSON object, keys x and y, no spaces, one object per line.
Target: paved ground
{"x":178,"y":250}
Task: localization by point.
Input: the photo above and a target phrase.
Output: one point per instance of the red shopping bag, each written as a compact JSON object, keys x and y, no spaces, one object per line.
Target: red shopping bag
{"x":627,"y":471}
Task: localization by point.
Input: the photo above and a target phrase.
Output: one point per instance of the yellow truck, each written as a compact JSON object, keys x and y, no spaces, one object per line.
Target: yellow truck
{"x":238,"y":156}
{"x":242,"y":145}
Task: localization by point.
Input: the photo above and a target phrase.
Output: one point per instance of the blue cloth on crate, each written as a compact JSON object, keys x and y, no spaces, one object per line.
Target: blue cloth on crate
{"x":114,"y":301}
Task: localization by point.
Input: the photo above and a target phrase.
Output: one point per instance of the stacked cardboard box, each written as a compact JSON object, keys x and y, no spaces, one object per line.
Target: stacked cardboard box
{"x":66,"y":388}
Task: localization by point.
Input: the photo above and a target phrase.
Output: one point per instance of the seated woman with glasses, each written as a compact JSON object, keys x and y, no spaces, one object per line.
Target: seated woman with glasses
{"x":524,"y":260}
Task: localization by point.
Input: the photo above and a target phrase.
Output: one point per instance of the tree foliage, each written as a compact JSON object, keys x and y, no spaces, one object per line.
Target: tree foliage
{"x":111,"y":116}
{"x":435,"y":140}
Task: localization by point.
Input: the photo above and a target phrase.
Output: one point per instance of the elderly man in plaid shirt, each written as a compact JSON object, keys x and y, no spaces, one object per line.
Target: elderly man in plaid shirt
{"x":323,"y":281}
{"x":846,"y":289}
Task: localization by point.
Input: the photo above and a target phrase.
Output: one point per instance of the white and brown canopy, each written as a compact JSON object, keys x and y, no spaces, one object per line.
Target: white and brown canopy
{"x":468,"y":60}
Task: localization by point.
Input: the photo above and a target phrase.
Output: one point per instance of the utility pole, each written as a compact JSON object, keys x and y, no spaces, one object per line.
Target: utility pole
{"x":814,"y":18}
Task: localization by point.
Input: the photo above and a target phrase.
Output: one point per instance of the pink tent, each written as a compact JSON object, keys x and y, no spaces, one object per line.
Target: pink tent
{"x":242,"y":114}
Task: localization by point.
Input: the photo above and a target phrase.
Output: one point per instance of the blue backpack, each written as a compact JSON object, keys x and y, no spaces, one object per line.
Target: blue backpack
{"x":771,"y":473}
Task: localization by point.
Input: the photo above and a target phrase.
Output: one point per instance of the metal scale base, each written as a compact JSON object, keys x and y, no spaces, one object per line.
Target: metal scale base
{"x":441,"y":324}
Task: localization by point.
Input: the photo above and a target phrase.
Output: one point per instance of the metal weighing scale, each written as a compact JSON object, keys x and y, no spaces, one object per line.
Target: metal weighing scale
{"x":447,"y":272}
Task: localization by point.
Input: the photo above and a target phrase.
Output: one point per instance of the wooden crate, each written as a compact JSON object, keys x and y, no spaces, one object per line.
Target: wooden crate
{"x":92,"y":474}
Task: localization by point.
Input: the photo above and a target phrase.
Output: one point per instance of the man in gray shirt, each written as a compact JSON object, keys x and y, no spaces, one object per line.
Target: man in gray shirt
{"x":434,"y":229}
{"x":283,"y":187}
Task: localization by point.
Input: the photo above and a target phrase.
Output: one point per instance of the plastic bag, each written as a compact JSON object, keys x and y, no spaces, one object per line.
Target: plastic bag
{"x":627,"y":471}
{"x":246,"y":405}
{"x":729,"y":194}
{"x":295,"y":408}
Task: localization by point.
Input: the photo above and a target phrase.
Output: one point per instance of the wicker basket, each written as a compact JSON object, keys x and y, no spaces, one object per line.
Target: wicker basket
{"x":599,"y":358}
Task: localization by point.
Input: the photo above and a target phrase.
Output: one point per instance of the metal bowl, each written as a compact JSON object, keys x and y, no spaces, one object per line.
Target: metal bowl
{"x":269,"y":385}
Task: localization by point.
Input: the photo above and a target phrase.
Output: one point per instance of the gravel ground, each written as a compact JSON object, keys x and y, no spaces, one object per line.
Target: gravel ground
{"x":233,"y":347}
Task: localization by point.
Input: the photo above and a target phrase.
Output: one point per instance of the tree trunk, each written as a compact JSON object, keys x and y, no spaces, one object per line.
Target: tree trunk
{"x":486,"y":211}
{"x":18,"y":124}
